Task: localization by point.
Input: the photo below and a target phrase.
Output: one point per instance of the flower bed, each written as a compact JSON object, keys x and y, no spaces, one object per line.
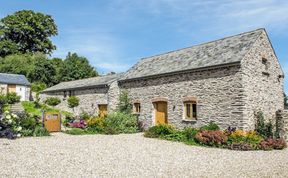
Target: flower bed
{"x":113,"y":123}
{"x":13,"y":126}
{"x":210,"y":135}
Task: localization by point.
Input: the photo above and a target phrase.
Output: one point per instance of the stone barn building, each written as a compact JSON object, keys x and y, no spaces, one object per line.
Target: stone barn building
{"x":94,"y":94}
{"x":225,"y":81}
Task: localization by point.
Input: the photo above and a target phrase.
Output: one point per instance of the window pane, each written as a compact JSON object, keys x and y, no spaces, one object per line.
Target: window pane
{"x":194,"y":111}
{"x":188,"y":110}
{"x":137,"y":107}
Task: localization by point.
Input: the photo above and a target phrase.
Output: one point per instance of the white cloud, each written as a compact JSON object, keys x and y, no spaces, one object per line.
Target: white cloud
{"x":100,"y":48}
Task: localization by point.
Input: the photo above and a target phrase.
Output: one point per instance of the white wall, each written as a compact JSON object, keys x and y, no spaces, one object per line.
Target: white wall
{"x":23,"y":91}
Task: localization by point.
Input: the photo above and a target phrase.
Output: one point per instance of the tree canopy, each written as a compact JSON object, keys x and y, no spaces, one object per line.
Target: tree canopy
{"x":77,"y":67}
{"x":38,"y":68}
{"x":25,"y":46}
{"x":26,"y":31}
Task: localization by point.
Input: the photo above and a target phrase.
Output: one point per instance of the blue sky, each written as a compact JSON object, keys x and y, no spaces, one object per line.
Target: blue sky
{"x":115,"y":34}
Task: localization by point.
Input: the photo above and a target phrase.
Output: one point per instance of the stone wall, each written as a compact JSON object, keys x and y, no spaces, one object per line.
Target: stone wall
{"x":263,"y":89}
{"x":219,"y":94}
{"x":3,"y":88}
{"x":89,"y":99}
{"x":282,"y":121}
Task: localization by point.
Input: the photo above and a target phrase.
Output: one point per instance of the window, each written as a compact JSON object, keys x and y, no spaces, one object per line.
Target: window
{"x":71,"y":93}
{"x":64,"y":95}
{"x":264,"y":60}
{"x":137,"y":107}
{"x":265,"y":63}
{"x":190,"y":109}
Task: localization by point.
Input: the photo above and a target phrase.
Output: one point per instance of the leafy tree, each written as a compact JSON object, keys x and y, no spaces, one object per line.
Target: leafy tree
{"x":58,"y":65}
{"x":42,"y":71}
{"x":38,"y":87}
{"x":17,"y":64}
{"x":73,"y":102}
{"x":124,"y":104}
{"x":26,"y":31}
{"x":53,"y":101}
{"x":76,"y":67}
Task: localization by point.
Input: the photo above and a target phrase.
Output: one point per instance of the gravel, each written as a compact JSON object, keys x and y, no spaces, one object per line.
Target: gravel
{"x":131,"y":155}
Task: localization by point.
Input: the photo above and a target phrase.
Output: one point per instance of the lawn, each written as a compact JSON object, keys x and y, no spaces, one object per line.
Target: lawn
{"x":31,"y":108}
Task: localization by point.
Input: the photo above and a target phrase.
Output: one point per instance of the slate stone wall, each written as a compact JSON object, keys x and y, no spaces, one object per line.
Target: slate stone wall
{"x":219,"y":94}
{"x":263,"y":86}
{"x":282,"y":120}
{"x":89,"y":99}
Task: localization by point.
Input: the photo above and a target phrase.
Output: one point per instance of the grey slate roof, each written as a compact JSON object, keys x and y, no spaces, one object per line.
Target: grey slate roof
{"x":84,"y":83}
{"x":14,"y":79}
{"x":223,"y":51}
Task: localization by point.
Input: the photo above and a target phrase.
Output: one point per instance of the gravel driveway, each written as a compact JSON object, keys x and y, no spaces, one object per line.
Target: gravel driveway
{"x":131,"y":155}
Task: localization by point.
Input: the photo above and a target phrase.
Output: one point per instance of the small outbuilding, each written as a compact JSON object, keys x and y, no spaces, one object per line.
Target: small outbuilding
{"x":15,"y":83}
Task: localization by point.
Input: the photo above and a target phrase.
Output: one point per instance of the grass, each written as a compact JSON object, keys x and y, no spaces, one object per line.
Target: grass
{"x":77,"y":131}
{"x":31,"y":108}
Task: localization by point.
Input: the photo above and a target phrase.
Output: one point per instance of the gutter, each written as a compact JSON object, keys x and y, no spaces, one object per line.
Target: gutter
{"x":231,"y":64}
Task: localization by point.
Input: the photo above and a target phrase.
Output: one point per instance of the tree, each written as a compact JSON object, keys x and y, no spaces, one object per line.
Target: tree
{"x":73,"y":102}
{"x":52,"y":101}
{"x":58,"y":65}
{"x":42,"y":71}
{"x":17,"y":64}
{"x":38,"y":87}
{"x":76,"y":67}
{"x":124,"y":104}
{"x":27,"y":31}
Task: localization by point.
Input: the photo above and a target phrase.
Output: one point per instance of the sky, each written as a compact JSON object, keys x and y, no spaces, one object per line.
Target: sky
{"x":115,"y":34}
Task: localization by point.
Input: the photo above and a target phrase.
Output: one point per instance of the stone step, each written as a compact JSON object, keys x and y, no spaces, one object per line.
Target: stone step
{"x":16,"y":108}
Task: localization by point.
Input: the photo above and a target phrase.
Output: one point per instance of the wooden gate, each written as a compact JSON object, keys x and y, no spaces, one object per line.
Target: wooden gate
{"x":52,"y":121}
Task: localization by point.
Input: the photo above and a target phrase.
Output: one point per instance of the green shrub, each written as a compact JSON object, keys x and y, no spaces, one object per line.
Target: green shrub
{"x":175,"y":136}
{"x":3,"y":100}
{"x":27,"y":132}
{"x":76,"y":131}
{"x":262,"y":128}
{"x":242,"y":139}
{"x":40,"y":132}
{"x":85,"y":115}
{"x":124,"y":104}
{"x":159,"y":131}
{"x":210,"y":126}
{"x":68,"y":119}
{"x":96,"y":124}
{"x":12,"y":98}
{"x":52,"y":101}
{"x":73,"y":102}
{"x":121,"y":123}
{"x":190,"y":133}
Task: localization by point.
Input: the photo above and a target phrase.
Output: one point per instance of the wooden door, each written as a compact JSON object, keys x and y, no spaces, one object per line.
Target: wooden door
{"x":52,"y":122}
{"x":161,"y":113}
{"x":11,"y":88}
{"x":102,"y":110}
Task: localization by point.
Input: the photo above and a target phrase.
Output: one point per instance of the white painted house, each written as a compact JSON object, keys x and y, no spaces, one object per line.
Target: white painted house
{"x":15,"y":83}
